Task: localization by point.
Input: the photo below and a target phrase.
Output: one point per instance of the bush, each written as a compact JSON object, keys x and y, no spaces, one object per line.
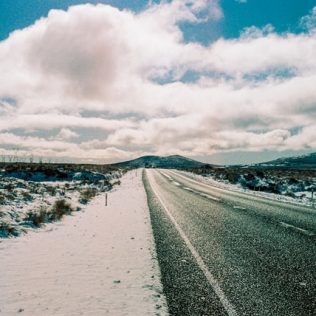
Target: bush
{"x":27,"y":196}
{"x":2,"y":199}
{"x":51,"y":190}
{"x":7,"y":230}
{"x":9,"y":187}
{"x":290,"y":194}
{"x":87,"y":194}
{"x":11,"y":196}
{"x":59,"y":209}
{"x":37,"y":218}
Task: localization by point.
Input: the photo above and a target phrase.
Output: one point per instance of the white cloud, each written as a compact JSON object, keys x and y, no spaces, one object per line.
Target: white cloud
{"x":309,"y":21}
{"x":98,"y":70}
{"x":66,"y":133}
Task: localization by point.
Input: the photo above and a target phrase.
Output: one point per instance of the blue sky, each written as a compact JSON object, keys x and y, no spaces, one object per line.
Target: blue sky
{"x":224,"y":81}
{"x":284,"y":15}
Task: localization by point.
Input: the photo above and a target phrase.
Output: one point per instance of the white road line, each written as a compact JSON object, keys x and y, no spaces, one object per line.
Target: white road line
{"x":301,"y":230}
{"x":167,"y":176}
{"x":209,"y":196}
{"x":202,"y":194}
{"x":209,"y":276}
{"x":236,"y":207}
{"x":209,"y":186}
{"x":188,"y":189}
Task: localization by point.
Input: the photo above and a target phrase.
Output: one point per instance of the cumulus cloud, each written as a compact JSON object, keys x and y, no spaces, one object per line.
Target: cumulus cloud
{"x":66,"y":133}
{"x":113,"y":81}
{"x":309,"y":21}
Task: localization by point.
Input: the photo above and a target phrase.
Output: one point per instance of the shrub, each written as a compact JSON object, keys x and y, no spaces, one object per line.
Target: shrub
{"x":290,"y":194}
{"x":2,"y":199}
{"x":9,"y":187}
{"x":27,"y":196}
{"x":11,"y":196}
{"x":51,"y":190}
{"x":34,"y":189}
{"x":37,"y":218}
{"x":7,"y":230}
{"x":87,"y":194}
{"x":59,"y":209}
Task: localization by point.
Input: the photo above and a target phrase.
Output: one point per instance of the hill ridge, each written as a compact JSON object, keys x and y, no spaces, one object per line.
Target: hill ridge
{"x":301,"y":161}
{"x":155,"y":161}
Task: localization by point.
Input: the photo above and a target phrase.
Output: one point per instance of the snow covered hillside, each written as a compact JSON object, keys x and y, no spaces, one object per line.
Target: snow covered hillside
{"x":27,"y":202}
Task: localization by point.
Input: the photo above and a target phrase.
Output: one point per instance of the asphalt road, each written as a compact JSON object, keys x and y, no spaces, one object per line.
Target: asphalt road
{"x":228,"y":253}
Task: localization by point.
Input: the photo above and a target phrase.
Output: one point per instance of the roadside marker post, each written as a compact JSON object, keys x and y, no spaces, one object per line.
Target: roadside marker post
{"x":106,"y":199}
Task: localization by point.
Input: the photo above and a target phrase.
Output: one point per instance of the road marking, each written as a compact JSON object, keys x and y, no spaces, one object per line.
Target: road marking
{"x":167,"y":176}
{"x":209,"y":276}
{"x":188,"y":189}
{"x":209,"y":196}
{"x":236,"y":207}
{"x":209,"y":186}
{"x":202,"y":194}
{"x":301,"y":230}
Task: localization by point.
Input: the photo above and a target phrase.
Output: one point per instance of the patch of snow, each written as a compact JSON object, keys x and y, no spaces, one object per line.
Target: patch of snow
{"x":96,"y":262}
{"x":88,"y":175}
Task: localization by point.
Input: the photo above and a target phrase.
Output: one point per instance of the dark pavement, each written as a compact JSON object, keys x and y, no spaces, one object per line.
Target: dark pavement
{"x":224,"y":252}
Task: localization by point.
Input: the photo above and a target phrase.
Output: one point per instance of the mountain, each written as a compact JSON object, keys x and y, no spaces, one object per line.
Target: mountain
{"x":298,"y":162}
{"x":174,"y":161}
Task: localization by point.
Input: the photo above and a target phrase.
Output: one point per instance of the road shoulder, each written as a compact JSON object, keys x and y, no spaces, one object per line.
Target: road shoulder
{"x":99,"y":261}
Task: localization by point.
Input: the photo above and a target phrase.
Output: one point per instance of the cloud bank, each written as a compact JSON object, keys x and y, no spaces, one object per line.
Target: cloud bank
{"x":103,"y":84}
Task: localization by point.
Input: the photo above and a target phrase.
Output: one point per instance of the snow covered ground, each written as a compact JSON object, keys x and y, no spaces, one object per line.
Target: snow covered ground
{"x":21,"y":200}
{"x":100,"y":261}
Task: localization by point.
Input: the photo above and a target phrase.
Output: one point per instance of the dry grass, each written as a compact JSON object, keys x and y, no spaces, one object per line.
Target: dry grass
{"x":7,"y":230}
{"x":37,"y":218}
{"x":87,"y":194}
{"x":59,"y":209}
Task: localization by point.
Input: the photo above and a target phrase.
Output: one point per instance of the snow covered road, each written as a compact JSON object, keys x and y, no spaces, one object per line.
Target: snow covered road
{"x":100,"y":261}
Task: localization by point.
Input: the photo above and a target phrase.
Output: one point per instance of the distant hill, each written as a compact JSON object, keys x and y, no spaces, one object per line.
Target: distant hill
{"x":174,"y":161}
{"x":298,"y":162}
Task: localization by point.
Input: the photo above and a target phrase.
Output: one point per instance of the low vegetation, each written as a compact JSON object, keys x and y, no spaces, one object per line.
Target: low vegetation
{"x":36,"y":218}
{"x":7,"y":229}
{"x":277,"y":180}
{"x":87,"y":194}
{"x":59,"y":209}
{"x":34,"y":194}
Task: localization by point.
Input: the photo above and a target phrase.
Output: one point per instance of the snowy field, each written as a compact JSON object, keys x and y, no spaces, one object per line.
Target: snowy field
{"x":28,"y":204}
{"x":100,"y":261}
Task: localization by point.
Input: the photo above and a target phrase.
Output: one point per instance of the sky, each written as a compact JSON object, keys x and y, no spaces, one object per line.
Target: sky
{"x":223,"y":81}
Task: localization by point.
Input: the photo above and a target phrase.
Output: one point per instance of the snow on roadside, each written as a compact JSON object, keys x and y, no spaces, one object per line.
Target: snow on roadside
{"x":22,"y":201}
{"x":238,"y":188}
{"x":101,"y":261}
